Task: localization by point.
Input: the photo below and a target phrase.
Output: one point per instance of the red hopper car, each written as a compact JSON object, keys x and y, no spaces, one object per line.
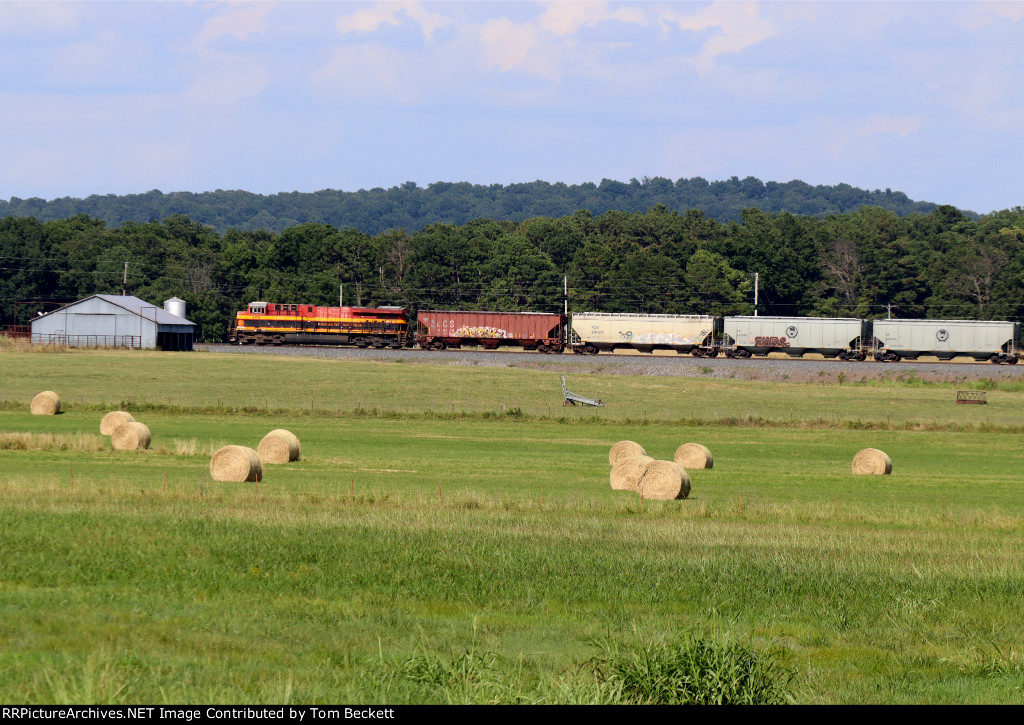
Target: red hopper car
{"x":541,"y":331}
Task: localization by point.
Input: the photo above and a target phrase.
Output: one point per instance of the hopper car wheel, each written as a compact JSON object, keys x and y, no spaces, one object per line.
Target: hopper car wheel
{"x":542,"y":348}
{"x":994,"y":360}
{"x":1013,"y":360}
{"x":711,"y":353}
{"x":591,"y":350}
{"x":439,"y":345}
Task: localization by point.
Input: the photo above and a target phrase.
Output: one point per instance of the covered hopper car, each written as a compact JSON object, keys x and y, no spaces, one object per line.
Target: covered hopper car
{"x":593,"y":332}
{"x":897,"y":339}
{"x":269,"y":323}
{"x":831,"y":337}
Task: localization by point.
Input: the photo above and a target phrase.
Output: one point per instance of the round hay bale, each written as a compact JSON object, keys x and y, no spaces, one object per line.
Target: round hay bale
{"x":693,"y":455}
{"x":625,"y":448}
{"x":112,"y":420}
{"x":279,"y":446}
{"x":46,"y":403}
{"x":236,"y":463}
{"x":626,"y":473}
{"x":872,"y":461}
{"x":131,"y":436}
{"x":664,"y":480}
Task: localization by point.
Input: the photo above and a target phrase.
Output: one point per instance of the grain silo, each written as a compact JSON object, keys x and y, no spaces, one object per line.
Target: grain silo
{"x":175,"y":306}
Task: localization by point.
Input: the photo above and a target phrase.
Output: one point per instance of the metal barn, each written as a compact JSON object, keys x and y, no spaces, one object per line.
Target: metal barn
{"x":115,"y":321}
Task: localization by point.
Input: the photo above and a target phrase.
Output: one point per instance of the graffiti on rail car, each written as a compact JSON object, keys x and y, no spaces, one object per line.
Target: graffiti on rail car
{"x":483,"y":332}
{"x":771,"y":341}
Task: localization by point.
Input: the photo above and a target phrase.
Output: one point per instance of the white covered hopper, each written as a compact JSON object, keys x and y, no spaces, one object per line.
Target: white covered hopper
{"x":829,"y":336}
{"x":595,"y":331}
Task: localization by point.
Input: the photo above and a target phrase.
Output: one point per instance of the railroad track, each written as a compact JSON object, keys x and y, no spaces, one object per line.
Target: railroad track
{"x":636,"y":363}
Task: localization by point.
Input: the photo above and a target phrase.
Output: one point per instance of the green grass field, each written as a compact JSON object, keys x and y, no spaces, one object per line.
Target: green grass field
{"x":450,"y":535}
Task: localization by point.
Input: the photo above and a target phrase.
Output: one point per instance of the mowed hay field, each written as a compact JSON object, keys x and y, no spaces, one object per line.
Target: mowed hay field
{"x":420,"y":553}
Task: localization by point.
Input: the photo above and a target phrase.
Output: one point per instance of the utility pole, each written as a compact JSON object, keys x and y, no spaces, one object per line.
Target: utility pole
{"x":341,"y":295}
{"x":124,"y":282}
{"x":889,"y":307}
{"x":756,"y":276}
{"x":565,"y":300}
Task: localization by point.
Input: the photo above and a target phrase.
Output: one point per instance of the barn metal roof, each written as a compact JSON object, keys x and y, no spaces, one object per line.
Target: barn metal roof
{"x":134,"y":305}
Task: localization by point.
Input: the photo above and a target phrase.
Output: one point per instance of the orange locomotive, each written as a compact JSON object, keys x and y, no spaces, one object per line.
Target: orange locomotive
{"x":269,"y":323}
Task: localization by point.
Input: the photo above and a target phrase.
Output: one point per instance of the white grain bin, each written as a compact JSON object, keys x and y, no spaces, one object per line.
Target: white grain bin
{"x":175,"y":306}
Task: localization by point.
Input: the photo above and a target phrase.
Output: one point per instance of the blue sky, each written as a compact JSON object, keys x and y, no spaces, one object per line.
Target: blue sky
{"x":124,"y":97}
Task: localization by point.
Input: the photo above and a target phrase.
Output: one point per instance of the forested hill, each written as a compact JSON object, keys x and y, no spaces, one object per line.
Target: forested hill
{"x":412,"y":208}
{"x":862,"y":264}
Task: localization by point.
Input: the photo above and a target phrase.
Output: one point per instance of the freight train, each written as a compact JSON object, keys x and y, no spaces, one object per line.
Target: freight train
{"x":593,"y":332}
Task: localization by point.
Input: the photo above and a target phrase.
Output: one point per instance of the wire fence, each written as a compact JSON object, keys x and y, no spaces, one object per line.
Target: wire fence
{"x":62,"y":340}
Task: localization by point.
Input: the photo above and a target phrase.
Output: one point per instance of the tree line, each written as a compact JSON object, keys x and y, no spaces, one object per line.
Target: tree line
{"x":412,"y":207}
{"x":942,"y":264}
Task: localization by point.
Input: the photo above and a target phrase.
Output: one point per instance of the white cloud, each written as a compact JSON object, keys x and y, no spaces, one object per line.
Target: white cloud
{"x":565,"y":18}
{"x":561,"y":18}
{"x":736,"y":26}
{"x":430,"y":22}
{"x":240,"y":21}
{"x":366,"y":20}
{"x":222,"y":78}
{"x":977,"y":15}
{"x":508,"y":44}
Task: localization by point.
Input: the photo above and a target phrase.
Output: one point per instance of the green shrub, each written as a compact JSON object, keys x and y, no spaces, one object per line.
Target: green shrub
{"x":693,"y":671}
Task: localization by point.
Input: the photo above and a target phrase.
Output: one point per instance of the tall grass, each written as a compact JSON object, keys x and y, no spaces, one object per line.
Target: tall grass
{"x":696,"y":669}
{"x":693,"y":670}
{"x":83,"y":442}
{"x":833,"y":422}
